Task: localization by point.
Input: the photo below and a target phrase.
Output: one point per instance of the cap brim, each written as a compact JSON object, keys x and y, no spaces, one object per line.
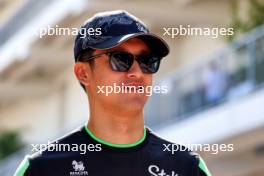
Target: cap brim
{"x":156,"y":43}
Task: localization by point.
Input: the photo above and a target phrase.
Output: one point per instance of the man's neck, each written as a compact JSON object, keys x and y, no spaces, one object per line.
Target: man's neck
{"x":117,"y":128}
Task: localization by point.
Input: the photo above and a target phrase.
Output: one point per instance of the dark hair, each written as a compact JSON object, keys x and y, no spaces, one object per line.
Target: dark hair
{"x":87,"y":53}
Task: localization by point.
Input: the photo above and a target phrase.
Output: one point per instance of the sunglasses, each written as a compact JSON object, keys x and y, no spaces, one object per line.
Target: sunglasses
{"x":122,"y":61}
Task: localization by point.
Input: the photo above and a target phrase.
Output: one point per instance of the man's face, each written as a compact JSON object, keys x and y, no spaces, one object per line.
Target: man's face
{"x":102,"y":75}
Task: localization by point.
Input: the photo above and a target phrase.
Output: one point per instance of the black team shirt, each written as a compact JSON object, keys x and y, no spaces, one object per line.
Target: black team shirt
{"x":81,"y":153}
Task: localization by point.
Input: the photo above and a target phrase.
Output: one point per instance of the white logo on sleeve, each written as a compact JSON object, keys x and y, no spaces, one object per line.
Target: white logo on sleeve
{"x":79,"y":168}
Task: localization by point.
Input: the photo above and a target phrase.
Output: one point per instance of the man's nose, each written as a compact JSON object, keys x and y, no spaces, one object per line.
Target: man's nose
{"x":135,"y":70}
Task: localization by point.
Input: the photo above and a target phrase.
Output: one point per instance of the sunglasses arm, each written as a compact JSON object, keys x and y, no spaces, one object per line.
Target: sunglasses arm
{"x":94,"y":57}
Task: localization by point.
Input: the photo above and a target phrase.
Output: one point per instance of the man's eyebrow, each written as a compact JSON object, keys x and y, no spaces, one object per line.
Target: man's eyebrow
{"x":115,"y":49}
{"x":145,"y":51}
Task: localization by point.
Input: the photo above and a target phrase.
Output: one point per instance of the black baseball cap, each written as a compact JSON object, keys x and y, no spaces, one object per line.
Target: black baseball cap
{"x":111,"y":28}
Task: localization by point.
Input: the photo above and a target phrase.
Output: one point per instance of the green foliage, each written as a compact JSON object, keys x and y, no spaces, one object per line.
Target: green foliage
{"x":9,"y":143}
{"x":255,"y":17}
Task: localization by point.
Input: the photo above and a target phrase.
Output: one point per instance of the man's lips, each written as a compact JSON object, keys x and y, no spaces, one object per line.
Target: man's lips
{"x":133,"y":84}
{"x":138,"y":85}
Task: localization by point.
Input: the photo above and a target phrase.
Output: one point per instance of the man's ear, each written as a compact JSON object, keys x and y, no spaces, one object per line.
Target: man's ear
{"x":83,"y":72}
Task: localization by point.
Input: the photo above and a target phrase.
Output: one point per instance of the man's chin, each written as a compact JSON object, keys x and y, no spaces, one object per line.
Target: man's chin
{"x":141,"y":96}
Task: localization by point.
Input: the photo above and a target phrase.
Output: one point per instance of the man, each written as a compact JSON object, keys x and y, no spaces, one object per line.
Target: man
{"x":124,"y":54}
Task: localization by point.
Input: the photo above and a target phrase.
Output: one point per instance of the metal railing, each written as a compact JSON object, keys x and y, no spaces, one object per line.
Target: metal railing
{"x":224,"y":76}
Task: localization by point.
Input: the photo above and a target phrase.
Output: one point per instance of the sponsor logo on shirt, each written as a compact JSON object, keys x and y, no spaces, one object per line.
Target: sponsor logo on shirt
{"x":154,"y":170}
{"x":78,"y":168}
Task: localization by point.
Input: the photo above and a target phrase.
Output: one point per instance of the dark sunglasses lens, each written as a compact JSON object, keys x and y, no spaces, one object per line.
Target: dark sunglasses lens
{"x":121,"y":61}
{"x":149,"y":63}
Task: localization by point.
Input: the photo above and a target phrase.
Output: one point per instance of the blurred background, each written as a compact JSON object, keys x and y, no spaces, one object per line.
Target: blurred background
{"x":215,"y":96}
